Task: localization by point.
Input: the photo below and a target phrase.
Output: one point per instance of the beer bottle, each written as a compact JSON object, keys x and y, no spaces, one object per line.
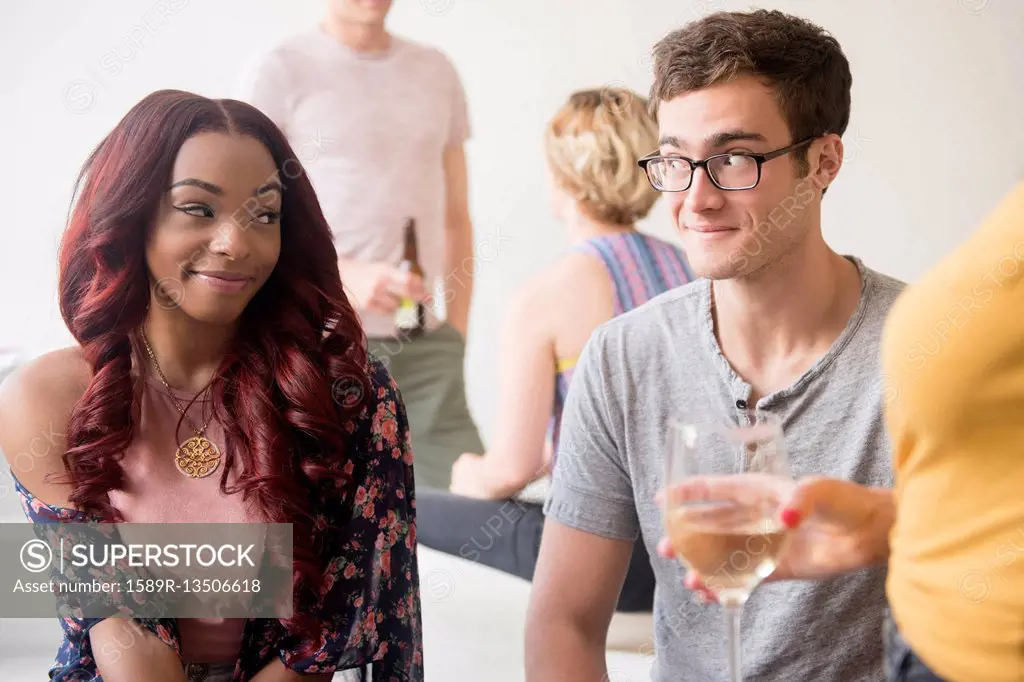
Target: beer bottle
{"x":410,"y":318}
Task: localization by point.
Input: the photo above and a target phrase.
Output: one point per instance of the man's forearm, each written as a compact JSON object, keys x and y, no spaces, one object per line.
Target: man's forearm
{"x":458,"y":274}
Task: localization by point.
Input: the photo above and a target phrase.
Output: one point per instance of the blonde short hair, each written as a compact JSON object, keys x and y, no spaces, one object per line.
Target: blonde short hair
{"x":592,"y":145}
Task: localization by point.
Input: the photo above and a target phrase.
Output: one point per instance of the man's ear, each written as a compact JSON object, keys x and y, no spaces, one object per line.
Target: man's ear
{"x":829,"y":160}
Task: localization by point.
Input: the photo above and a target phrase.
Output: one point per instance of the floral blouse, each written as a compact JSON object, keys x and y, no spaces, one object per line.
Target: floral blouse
{"x":370,"y":609}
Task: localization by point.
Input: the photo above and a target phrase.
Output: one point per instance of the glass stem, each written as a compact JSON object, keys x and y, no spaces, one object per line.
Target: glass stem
{"x":733,"y":613}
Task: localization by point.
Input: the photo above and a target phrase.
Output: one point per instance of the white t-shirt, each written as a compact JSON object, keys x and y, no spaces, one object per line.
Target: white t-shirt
{"x":371,"y":132}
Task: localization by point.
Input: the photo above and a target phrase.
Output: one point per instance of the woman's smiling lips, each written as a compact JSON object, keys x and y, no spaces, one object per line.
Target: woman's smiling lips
{"x":223,"y":281}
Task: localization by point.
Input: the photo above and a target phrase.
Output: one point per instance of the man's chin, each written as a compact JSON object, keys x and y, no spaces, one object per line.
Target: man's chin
{"x":711,"y":265}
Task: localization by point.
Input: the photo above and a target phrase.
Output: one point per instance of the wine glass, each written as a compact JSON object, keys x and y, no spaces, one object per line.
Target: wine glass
{"x":726,"y":482}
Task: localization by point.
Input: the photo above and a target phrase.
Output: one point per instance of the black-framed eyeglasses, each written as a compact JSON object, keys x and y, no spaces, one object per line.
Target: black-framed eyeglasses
{"x":731,"y":171}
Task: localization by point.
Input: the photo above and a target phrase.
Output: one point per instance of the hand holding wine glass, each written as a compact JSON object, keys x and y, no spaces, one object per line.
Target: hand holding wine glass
{"x":836,"y":527}
{"x":726,"y":483}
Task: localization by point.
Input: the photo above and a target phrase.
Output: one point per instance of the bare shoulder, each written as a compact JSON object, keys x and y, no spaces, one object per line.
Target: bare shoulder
{"x":35,"y":406}
{"x":534,"y":303}
{"x":578,"y":281}
{"x":573,"y":273}
{"x":48,"y":383}
{"x":581,"y":264}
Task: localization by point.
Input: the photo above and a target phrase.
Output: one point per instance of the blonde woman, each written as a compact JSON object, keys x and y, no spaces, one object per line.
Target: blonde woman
{"x":599,"y":193}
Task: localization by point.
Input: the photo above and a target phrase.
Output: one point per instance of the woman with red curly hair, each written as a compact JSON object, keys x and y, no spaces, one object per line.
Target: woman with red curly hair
{"x":220,"y":375}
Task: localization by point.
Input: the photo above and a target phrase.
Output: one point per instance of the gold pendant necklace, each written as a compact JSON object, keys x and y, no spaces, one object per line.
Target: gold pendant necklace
{"x":197,"y":457}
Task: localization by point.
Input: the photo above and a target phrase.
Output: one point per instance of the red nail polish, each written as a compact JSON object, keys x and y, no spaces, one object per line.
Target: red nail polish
{"x":790,"y":517}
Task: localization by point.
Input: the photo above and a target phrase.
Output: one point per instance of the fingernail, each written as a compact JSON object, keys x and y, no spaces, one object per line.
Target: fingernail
{"x":790,"y":517}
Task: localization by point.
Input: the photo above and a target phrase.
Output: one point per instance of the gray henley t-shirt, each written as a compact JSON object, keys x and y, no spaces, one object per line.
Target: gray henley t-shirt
{"x":662,"y":361}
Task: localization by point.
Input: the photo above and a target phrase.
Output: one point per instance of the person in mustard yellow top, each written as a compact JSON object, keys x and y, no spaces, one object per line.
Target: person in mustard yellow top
{"x":952,"y":530}
{"x":953,"y":353}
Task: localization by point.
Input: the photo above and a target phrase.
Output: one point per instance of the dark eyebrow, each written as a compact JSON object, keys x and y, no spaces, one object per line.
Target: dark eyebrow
{"x":214,"y":189}
{"x":271,"y":186}
{"x":724,"y":138}
{"x":201,"y":184}
{"x":717,"y":140}
{"x":671,"y":141}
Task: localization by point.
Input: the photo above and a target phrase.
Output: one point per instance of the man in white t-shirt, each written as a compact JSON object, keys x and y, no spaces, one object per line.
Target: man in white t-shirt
{"x":379,"y":123}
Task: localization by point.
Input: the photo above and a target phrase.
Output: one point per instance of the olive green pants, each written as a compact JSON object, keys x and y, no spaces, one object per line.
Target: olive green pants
{"x":429,"y":374}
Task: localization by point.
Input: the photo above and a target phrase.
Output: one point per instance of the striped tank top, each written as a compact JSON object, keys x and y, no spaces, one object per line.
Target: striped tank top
{"x":640,"y":267}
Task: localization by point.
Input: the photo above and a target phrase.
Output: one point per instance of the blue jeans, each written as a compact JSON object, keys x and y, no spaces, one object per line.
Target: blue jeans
{"x":901,"y":664}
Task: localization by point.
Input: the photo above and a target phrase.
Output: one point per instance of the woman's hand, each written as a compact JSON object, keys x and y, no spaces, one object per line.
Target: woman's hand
{"x":469,"y":477}
{"x":836,"y":526}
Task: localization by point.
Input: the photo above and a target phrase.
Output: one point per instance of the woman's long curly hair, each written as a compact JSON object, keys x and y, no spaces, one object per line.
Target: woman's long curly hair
{"x":296,"y":370}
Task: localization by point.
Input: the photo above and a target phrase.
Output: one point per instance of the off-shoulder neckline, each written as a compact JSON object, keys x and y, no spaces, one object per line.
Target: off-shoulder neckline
{"x":33,"y":502}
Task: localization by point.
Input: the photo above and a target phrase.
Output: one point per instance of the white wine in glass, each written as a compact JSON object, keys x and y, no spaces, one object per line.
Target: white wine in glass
{"x":726,"y":482}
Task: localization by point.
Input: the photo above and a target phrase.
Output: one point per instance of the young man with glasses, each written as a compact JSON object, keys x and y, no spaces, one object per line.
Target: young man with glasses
{"x":379,"y":123}
{"x":751,"y":109}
